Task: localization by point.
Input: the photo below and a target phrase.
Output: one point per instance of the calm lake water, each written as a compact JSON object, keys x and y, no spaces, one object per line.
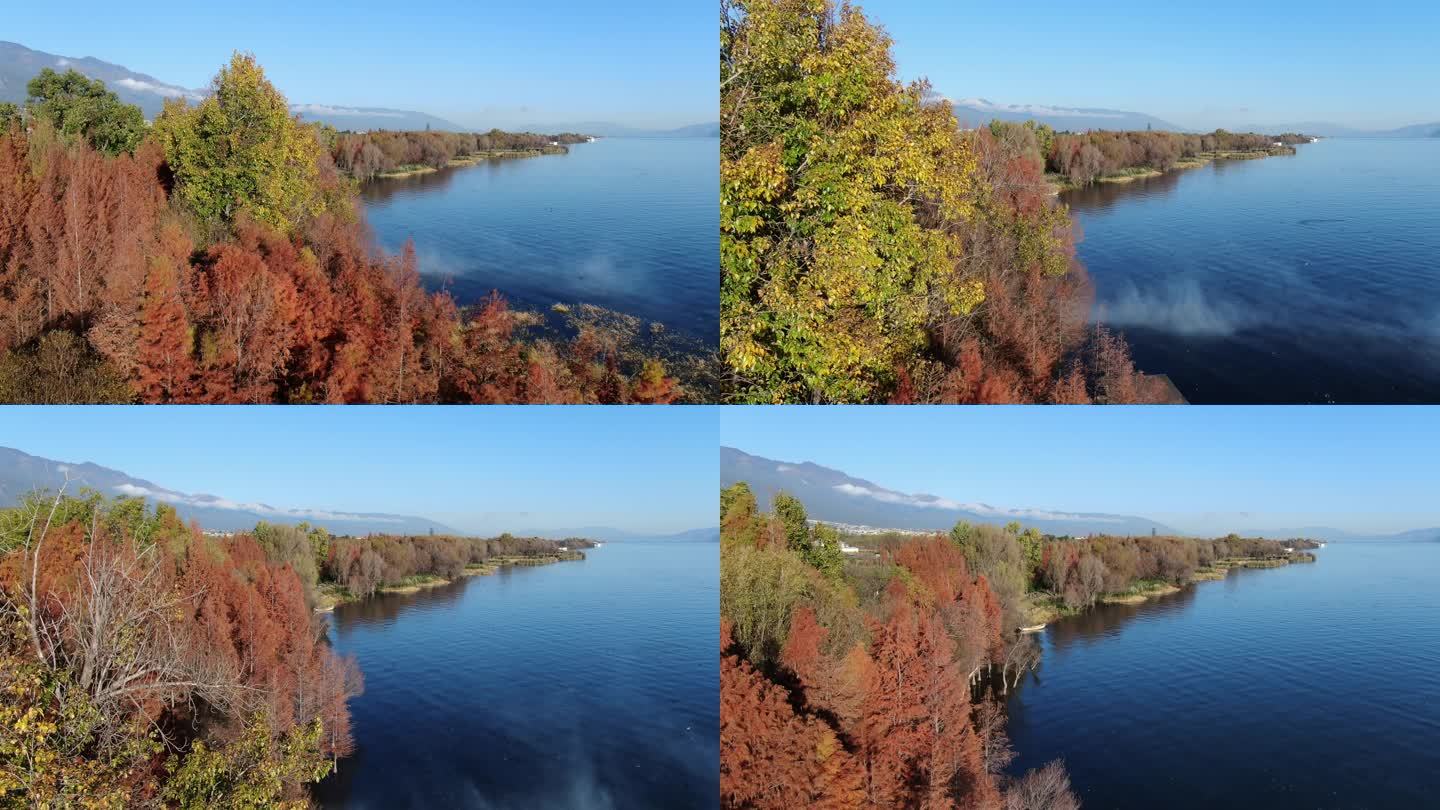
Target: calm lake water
{"x":1309,"y":686}
{"x":588,"y":684}
{"x":1312,"y":278}
{"x":630,"y":224}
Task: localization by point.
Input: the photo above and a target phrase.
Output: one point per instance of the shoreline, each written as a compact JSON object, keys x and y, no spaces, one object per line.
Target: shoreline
{"x":472,"y":159}
{"x":332,"y":595}
{"x":1059,"y":184}
{"x":1045,"y":614}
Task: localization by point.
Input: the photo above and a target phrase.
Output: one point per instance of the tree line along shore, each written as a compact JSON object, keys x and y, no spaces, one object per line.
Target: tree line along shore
{"x":220,"y":255}
{"x":145,"y":663}
{"x":384,"y":154}
{"x":1074,"y":160}
{"x":875,"y":674}
{"x":412,"y":564}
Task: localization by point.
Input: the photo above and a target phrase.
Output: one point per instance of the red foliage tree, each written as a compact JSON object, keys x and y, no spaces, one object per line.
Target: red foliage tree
{"x":770,"y":756}
{"x":313,"y":315}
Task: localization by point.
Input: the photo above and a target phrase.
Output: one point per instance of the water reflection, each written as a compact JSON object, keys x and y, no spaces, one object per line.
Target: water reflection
{"x":385,"y":608}
{"x":1104,"y":620}
{"x":1288,"y":279}
{"x":580,"y":684}
{"x":1104,"y":196}
{"x":629,"y":225}
{"x":383,"y":190}
{"x":1228,"y":689}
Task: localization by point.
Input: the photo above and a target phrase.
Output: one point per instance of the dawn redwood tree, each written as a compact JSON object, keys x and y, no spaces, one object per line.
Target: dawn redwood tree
{"x":166,"y":367}
{"x":919,"y":745}
{"x":771,"y":756}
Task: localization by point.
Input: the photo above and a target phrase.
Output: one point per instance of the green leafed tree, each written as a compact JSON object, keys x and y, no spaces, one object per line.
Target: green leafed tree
{"x":241,"y":150}
{"x":81,"y":107}
{"x":250,"y":773}
{"x":837,"y":184}
{"x":791,"y":513}
{"x":739,"y":521}
{"x":9,"y":116}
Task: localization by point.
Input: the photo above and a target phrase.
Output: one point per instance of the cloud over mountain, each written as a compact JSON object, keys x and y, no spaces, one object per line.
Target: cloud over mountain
{"x":22,"y":473}
{"x":832,"y":495}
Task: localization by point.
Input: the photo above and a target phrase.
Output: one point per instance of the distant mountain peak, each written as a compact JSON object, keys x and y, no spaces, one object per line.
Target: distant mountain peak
{"x":833,"y":496}
{"x":22,"y":473}
{"x":19,"y":64}
{"x":977,"y":111}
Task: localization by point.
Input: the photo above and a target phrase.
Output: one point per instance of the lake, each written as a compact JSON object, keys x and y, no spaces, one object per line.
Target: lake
{"x":629,"y":224}
{"x":1305,"y":279}
{"x":587,"y":684}
{"x":1309,"y":686}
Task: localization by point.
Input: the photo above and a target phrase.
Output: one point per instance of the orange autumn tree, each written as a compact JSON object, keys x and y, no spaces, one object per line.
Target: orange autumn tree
{"x":226,"y":260}
{"x":770,"y":756}
{"x":887,"y":657}
{"x":146,"y":660}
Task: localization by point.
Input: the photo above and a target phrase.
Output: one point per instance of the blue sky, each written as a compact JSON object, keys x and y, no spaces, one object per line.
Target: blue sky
{"x":1197,"y":65}
{"x":1199,"y":469}
{"x":483,"y":470}
{"x":648,"y":63}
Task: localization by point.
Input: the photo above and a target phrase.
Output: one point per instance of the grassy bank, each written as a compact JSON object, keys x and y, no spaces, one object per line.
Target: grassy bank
{"x":471,"y":159}
{"x":1140,"y":592}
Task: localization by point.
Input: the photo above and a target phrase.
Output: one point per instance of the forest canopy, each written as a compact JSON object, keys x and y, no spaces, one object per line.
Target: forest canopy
{"x":221,"y":256}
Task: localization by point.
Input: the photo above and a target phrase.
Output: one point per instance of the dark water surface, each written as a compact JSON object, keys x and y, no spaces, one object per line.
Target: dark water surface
{"x":1312,"y":278}
{"x":629,"y":224}
{"x":1309,"y":686}
{"x":588,"y":684}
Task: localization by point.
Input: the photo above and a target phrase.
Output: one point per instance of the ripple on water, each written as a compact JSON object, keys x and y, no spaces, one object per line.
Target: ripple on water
{"x":1300,"y":687}
{"x":584,"y":684}
{"x":1216,"y":282}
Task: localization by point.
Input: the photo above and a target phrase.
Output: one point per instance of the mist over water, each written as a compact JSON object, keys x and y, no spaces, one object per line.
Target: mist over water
{"x":629,"y":224}
{"x":588,"y":684}
{"x":1312,"y":278}
{"x":1309,"y":686}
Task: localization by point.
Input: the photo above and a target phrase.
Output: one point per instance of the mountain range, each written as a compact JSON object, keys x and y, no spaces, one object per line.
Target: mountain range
{"x":610,"y":129}
{"x":1329,"y":129}
{"x":22,"y":473}
{"x":610,"y":534}
{"x":19,"y":64}
{"x":972,"y":112}
{"x":832,"y":496}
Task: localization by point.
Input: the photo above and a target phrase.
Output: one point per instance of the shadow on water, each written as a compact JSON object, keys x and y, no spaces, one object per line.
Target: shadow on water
{"x":385,"y":189}
{"x":1104,"y":196}
{"x":1102,"y":621}
{"x":385,"y":608}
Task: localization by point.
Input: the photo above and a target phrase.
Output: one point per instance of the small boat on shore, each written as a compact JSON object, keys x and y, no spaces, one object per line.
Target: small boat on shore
{"x":1034,"y":628}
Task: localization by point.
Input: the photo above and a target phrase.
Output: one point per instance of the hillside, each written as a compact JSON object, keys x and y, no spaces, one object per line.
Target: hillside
{"x":22,"y":473}
{"x":833,"y":496}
